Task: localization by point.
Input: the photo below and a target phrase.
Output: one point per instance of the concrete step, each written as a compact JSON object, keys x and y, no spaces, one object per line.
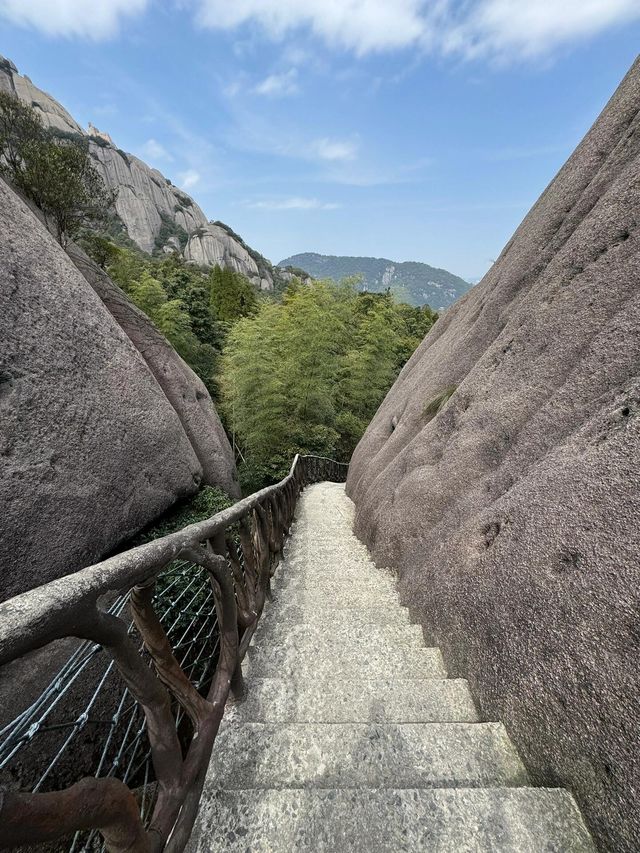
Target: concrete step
{"x":521,"y":820}
{"x":352,"y":595}
{"x":310,"y":655}
{"x":368,"y":581}
{"x":284,"y":611}
{"x":363,"y":755}
{"x":342,"y":633}
{"x":392,"y":700}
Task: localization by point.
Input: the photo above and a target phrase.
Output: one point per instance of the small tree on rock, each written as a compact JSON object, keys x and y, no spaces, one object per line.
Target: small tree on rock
{"x":53,"y":171}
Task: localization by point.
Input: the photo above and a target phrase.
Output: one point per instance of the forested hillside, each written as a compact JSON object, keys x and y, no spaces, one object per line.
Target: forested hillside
{"x":410,"y":281}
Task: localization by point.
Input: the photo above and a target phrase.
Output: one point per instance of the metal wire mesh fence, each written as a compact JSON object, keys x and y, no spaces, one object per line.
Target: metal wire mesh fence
{"x":87,"y":723}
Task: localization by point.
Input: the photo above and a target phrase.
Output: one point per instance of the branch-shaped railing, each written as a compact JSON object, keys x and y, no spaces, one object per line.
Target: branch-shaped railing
{"x":238,"y":550}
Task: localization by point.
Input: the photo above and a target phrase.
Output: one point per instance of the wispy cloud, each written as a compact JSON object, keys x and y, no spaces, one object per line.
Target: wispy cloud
{"x":495,"y":29}
{"x":189,"y":179}
{"x":155,"y":151}
{"x":279,"y":85}
{"x":94,"y":20}
{"x":334,"y":149}
{"x":294,"y":203}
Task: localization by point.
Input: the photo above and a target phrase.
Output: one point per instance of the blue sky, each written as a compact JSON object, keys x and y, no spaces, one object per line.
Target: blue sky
{"x":399,"y":128}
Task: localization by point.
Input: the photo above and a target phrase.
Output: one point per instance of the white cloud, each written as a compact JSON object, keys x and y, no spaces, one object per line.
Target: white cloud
{"x":334,"y":149}
{"x":497,"y":29}
{"x":94,"y":19}
{"x":295,"y":203}
{"x":279,"y":85}
{"x":361,"y":25}
{"x":508,"y":29}
{"x":189,"y":179}
{"x":155,"y":151}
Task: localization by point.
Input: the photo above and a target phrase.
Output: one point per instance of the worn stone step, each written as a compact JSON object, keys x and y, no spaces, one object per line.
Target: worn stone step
{"x":291,"y":612}
{"x":368,"y":581}
{"x":498,"y":820}
{"x":312,"y":656}
{"x":342,"y":633}
{"x":394,"y":700}
{"x":365,"y":755}
{"x":352,"y":595}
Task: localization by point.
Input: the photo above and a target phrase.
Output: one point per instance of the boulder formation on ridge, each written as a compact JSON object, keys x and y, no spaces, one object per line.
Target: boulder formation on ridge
{"x":156,"y":215}
{"x":500,"y":478}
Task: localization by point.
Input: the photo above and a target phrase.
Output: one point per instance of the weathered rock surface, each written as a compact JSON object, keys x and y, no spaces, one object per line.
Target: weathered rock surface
{"x":513,"y":513}
{"x":90,"y":448}
{"x":213,"y":246}
{"x":182,"y":387}
{"x":50,"y":111}
{"x":156,"y":215}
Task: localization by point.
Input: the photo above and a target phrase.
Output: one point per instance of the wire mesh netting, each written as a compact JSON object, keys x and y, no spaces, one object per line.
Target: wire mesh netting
{"x":86,"y":722}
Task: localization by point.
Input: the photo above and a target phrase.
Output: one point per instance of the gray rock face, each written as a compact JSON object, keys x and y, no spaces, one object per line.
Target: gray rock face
{"x":50,"y":111}
{"x":157,"y":216}
{"x":90,"y":448}
{"x":182,"y":387}
{"x":513,"y":512}
{"x":213,"y":246}
{"x":146,"y":200}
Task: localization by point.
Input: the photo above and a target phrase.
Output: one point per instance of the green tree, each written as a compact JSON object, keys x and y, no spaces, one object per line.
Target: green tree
{"x":307,"y":374}
{"x":232,"y":295}
{"x":55,"y":172}
{"x":20,"y":127}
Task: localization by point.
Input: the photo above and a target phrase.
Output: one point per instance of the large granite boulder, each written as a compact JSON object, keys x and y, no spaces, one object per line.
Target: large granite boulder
{"x":183,"y":388}
{"x":500,"y":477}
{"x":91,"y":449}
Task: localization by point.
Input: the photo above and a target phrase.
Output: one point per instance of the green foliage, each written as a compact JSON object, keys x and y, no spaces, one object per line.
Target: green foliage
{"x":100,"y":249}
{"x":54,"y":171}
{"x":232,"y":295}
{"x":207,"y":502}
{"x":170,"y":229}
{"x":193,"y":308}
{"x":306,"y":375}
{"x":438,"y":403}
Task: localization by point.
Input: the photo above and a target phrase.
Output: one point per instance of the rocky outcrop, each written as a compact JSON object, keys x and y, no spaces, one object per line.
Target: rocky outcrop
{"x":157,"y":216}
{"x":91,"y":450}
{"x":50,"y":111}
{"x":500,"y":476}
{"x":182,"y":387}
{"x":213,"y":246}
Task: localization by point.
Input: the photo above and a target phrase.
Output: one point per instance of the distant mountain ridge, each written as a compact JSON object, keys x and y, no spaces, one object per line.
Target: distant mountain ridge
{"x":412,"y":281}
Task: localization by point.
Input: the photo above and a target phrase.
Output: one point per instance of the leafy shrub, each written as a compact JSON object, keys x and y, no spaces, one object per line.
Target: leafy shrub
{"x":207,"y":502}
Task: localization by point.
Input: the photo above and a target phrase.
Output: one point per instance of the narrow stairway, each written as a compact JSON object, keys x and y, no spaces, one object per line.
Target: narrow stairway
{"x":351,"y":737}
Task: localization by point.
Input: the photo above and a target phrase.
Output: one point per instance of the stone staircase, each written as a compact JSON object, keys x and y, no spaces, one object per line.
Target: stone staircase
{"x":351,"y":737}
